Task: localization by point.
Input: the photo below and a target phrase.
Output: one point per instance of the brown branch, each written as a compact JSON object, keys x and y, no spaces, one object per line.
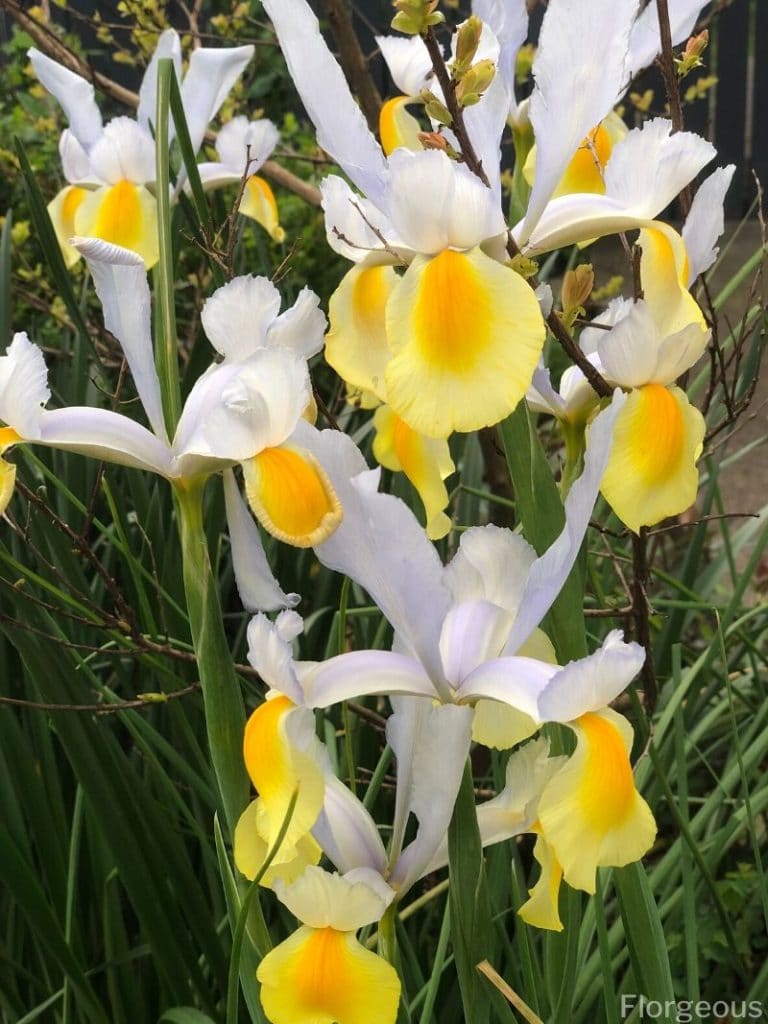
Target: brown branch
{"x":141,"y":702}
{"x":458,"y":127}
{"x":50,"y":44}
{"x":353,"y":62}
{"x":666,"y":63}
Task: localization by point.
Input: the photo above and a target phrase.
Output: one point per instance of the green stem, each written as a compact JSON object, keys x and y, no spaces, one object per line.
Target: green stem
{"x":224,"y":712}
{"x":166,"y":353}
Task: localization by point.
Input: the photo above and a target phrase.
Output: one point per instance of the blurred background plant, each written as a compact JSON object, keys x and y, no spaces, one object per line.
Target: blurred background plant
{"x":112,"y":902}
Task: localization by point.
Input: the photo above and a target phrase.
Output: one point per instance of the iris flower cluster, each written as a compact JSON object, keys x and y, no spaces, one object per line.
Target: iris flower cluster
{"x":437,"y":327}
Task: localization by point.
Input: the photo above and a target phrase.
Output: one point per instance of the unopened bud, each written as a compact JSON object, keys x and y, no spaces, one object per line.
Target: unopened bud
{"x":467,"y":41}
{"x":434,"y":108}
{"x":691,"y":57}
{"x":577,"y":286}
{"x":414,"y":17}
{"x":475,"y":82}
{"x":433,"y":140}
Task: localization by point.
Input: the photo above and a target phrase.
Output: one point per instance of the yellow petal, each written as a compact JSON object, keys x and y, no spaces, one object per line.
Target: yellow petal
{"x":291,"y":496}
{"x":251,"y":849}
{"x":590,"y":811}
{"x":664,"y":273}
{"x":7,"y":483}
{"x":259,"y":204}
{"x":62,"y":210}
{"x":467,"y":334}
{"x":585,"y":172}
{"x":501,"y":726}
{"x":541,"y":909}
{"x":426,"y":462}
{"x":356,"y":345}
{"x":124,"y":214}
{"x":278,"y":769}
{"x":322,"y":976}
{"x":651,"y":472}
{"x":397,"y":127}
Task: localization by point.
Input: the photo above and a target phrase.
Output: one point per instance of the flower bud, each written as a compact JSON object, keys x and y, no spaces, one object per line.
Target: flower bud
{"x":467,"y":41}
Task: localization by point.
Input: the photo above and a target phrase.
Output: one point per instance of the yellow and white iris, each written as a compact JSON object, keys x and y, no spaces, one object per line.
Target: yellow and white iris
{"x":322,"y":973}
{"x":246,"y":409}
{"x":111,"y":168}
{"x":242,"y":147}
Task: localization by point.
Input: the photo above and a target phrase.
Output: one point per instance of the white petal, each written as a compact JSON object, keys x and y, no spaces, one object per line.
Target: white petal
{"x":645,"y":42}
{"x":168,"y":45}
{"x":341,"y":127}
{"x":362,"y":673}
{"x":124,"y":152}
{"x":236,"y":410}
{"x":271,"y":654}
{"x":257,"y":587}
{"x":381,"y":545}
{"x":514,"y":681}
{"x":706,"y":221}
{"x":485,"y":120}
{"x":23,"y":387}
{"x":207,"y":83}
{"x":74,"y":95}
{"x":508,"y":19}
{"x":354,"y":227}
{"x":629,"y":352}
{"x":577,"y":84}
{"x":120,"y":280}
{"x":550,"y":571}
{"x":679,"y":352}
{"x":616,"y":310}
{"x":473,"y":632}
{"x":346,"y":831}
{"x":650,"y":166}
{"x":542,"y":397}
{"x":74,"y":159}
{"x":102,"y":434}
{"x":491,"y":564}
{"x":242,"y":143}
{"x":342,"y":902}
{"x":300,"y":329}
{"x":432,"y":756}
{"x":407,"y":61}
{"x":591,"y":683}
{"x":436,"y":203}
{"x":238,"y":315}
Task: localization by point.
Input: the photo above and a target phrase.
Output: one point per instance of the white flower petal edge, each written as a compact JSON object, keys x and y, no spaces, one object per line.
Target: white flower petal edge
{"x":705,"y":222}
{"x":256,"y":585}
{"x":341,"y":127}
{"x":74,"y":95}
{"x":120,"y":280}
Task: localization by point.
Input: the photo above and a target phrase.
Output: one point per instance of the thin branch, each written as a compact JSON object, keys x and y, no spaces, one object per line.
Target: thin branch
{"x":666,"y":63}
{"x":353,"y":62}
{"x":467,"y":150}
{"x":141,"y":702}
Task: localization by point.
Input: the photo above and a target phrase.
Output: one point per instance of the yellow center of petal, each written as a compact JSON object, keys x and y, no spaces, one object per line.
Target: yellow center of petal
{"x":371,"y":290}
{"x":452,"y":316}
{"x":291,"y":496}
{"x":607,"y":788}
{"x":585,"y":171}
{"x":120,"y":218}
{"x":397,"y":127}
{"x":8,"y":436}
{"x":321,"y":973}
{"x":655,"y":456}
{"x":264,"y":748}
{"x":72,"y":200}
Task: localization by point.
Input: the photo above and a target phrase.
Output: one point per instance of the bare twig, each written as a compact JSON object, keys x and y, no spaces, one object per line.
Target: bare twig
{"x":141,"y":702}
{"x":353,"y":62}
{"x":466,"y":149}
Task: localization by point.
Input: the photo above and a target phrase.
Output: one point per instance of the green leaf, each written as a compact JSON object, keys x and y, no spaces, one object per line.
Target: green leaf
{"x":5,"y":282}
{"x":645,"y":934}
{"x":472,"y":931}
{"x":49,"y":244}
{"x":185,"y":1015}
{"x":166,"y":346}
{"x":540,"y":511}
